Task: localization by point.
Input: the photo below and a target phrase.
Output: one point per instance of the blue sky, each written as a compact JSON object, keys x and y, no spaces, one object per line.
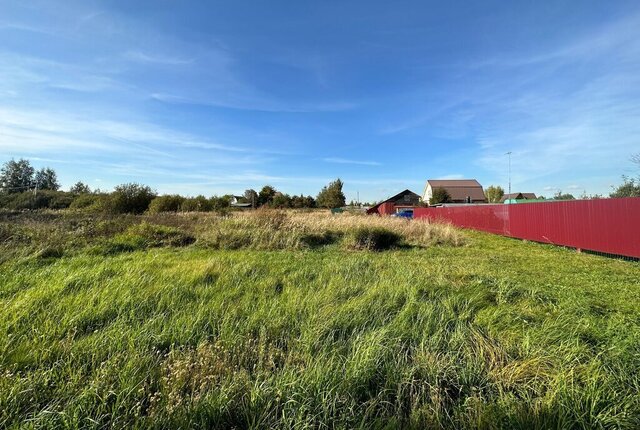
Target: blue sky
{"x":216,"y":97}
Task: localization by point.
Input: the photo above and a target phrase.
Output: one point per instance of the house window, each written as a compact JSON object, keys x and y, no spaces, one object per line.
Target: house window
{"x":407,"y":198}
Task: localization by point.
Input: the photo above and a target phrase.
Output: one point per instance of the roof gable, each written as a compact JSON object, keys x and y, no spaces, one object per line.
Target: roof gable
{"x":413,"y":199}
{"x":460,"y":189}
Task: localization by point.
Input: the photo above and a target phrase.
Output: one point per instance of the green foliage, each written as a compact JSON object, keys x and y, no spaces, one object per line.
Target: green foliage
{"x":251,"y":196}
{"x":80,"y":188}
{"x":559,"y":195}
{"x":196,"y":204}
{"x":300,"y":202}
{"x":629,"y":188}
{"x":167,"y":203}
{"x":29,"y":200}
{"x":331,"y":196}
{"x":281,"y":201}
{"x":89,"y":202}
{"x":46,"y":179}
{"x":373,"y":239}
{"x":220,"y":204}
{"x":129,"y":198}
{"x":16,"y":176}
{"x":494,"y":193}
{"x":266,"y":195}
{"x":440,"y":195}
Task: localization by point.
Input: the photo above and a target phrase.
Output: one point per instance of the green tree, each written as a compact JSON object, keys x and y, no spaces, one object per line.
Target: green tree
{"x":629,"y":188}
{"x":309,"y":202}
{"x":560,"y":196}
{"x":196,"y":204}
{"x":80,"y":188}
{"x":440,"y":195}
{"x":281,"y":201}
{"x":220,"y":203}
{"x":494,"y":193}
{"x":167,"y":203}
{"x":47,"y":179}
{"x":130,"y":198}
{"x":16,"y":176}
{"x":331,"y":196}
{"x":266,"y":195}
{"x":251,"y":196}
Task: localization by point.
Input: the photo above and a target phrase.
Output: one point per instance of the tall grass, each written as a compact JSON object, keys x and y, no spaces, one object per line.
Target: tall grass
{"x":49,"y":233}
{"x":494,"y":334}
{"x":269,"y":229}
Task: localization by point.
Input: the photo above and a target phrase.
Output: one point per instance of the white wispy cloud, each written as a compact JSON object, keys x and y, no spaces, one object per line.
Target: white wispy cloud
{"x":338,"y":160}
{"x":252,"y":101}
{"x":157,"y":58}
{"x":46,"y":130}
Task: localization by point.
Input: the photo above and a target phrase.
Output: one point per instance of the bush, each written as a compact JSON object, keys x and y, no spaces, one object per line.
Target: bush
{"x":373,"y":239}
{"x":129,"y":198}
{"x":196,"y":204}
{"x":316,"y":240}
{"x":60,"y":200}
{"x":44,"y":199}
{"x":89,"y":202}
{"x":171,"y":203}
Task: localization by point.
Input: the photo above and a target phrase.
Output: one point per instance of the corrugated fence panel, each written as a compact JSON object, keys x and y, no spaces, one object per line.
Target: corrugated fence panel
{"x":610,"y":226}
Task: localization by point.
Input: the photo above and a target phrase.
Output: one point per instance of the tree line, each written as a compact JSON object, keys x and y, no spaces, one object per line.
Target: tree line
{"x":22,"y":187}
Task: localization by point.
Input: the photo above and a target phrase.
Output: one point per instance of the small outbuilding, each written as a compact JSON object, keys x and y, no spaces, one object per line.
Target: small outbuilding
{"x":401,"y":202}
{"x":517,"y":196}
{"x":460,"y":190}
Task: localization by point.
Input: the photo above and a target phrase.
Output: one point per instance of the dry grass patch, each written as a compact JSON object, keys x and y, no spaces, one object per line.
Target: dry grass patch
{"x":272,"y":229}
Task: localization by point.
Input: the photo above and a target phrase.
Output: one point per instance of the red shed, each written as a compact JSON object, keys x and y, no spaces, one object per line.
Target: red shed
{"x":406,"y":200}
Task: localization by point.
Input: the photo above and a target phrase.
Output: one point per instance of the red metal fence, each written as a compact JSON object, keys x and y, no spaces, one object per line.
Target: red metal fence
{"x":609,"y":226}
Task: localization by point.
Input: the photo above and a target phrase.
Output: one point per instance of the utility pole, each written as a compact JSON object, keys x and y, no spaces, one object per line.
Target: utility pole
{"x":509,"y":199}
{"x":509,"y":154}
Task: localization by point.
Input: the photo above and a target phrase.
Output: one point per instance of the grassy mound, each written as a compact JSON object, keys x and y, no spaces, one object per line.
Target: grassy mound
{"x":373,"y":239}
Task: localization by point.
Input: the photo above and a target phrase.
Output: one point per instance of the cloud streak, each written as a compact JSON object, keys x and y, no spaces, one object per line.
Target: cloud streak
{"x":337,"y":160}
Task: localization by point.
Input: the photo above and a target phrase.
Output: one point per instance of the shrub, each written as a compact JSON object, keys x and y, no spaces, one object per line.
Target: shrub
{"x":41,"y":200}
{"x":316,"y":240}
{"x":88,"y":202}
{"x":170,"y":203}
{"x":373,"y":239}
{"x":60,"y":200}
{"x":196,"y":204}
{"x":130,"y":198}
{"x":440,"y":195}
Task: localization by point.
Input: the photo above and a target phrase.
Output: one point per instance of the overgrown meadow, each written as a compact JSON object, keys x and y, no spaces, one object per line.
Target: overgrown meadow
{"x":284,"y":319}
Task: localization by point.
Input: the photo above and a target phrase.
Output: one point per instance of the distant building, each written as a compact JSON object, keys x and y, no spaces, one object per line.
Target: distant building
{"x":239,"y":202}
{"x":404,"y":201}
{"x":460,"y":190}
{"x":518,"y":196}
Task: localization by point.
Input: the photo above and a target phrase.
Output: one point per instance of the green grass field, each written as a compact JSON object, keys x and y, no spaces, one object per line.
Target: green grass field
{"x":483,"y":332}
